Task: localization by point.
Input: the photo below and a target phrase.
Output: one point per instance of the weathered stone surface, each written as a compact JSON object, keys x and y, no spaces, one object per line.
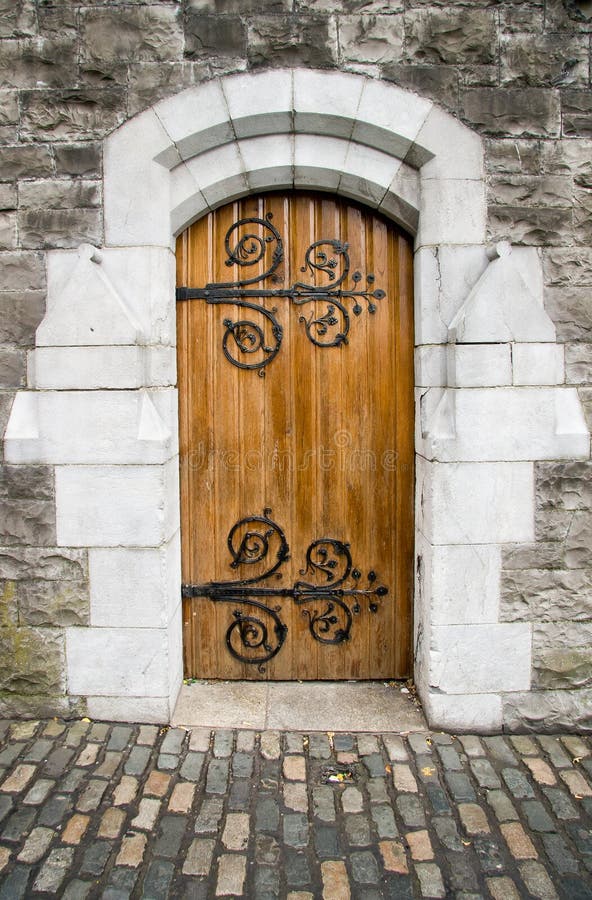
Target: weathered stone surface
{"x":513,"y":156}
{"x":9,"y":110}
{"x":576,"y":107}
{"x":150,"y":82}
{"x":29,"y":522}
{"x":8,"y":198}
{"x":451,"y":35}
{"x":564,"y":485}
{"x":540,"y":60}
{"x":78,"y":159}
{"x":532,"y":556}
{"x":371,"y":39}
{"x":293,"y":41}
{"x":59,"y":194}
{"x":567,"y":15}
{"x":585,"y":395}
{"x":20,"y":314}
{"x":579,"y":540}
{"x":532,"y":190}
{"x":526,"y":112}
{"x":31,"y":161}
{"x":207,"y":36}
{"x":552,"y":524}
{"x":534,"y":226}
{"x":6,"y":398}
{"x":439,"y":83}
{"x":17,"y":17}
{"x":31,"y":660}
{"x":28,"y":63}
{"x":569,"y":667}
{"x":72,"y":114}
{"x":568,"y":266}
{"x":52,"y":603}
{"x":568,"y":158}
{"x":51,"y":228}
{"x":542,"y":595}
{"x":242,"y":7}
{"x":8,"y":235}
{"x":582,"y":216}
{"x":26,"y":483}
{"x":52,"y":565}
{"x":570,"y":308}
{"x":130,"y":34}
{"x":549,"y":711}
{"x":578,"y":363}
{"x":13,"y":368}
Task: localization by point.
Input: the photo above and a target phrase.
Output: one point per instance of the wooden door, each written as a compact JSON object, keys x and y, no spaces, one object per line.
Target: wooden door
{"x":295,"y":357}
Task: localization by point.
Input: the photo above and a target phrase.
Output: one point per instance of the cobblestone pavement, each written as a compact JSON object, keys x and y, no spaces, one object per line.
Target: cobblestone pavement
{"x":115,"y":811}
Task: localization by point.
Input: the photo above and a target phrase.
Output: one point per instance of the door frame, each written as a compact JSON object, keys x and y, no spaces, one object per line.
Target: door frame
{"x":105,"y":353}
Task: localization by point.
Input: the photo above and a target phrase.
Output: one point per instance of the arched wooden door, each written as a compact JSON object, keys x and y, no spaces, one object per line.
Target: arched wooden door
{"x":295,"y":353}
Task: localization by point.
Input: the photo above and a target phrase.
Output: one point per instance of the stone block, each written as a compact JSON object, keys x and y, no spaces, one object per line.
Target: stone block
{"x":186,"y":200}
{"x":541,"y":555}
{"x":29,"y":522}
{"x":59,"y":194}
{"x":296,"y":40}
{"x":453,"y":36}
{"x":543,"y":595}
{"x":12,"y":367}
{"x":401,"y":202}
{"x":582,"y":216}
{"x":540,"y":60}
{"x":109,"y":506}
{"x":78,"y":159}
{"x":150,"y":82}
{"x":129,"y":586}
{"x":390,"y":120}
{"x":269,"y":162}
{"x":129,"y":709}
{"x":579,"y":540}
{"x":329,"y":111}
{"x":491,"y":658}
{"x":570,"y":309}
{"x":22,"y":271}
{"x":196,"y":120}
{"x":362,"y":162}
{"x":578,"y":363}
{"x":531,"y":190}
{"x":271,"y":102}
{"x":529,"y":112}
{"x":129,"y":662}
{"x":457,"y":151}
{"x":219,"y":174}
{"x":20,"y":314}
{"x":568,"y":158}
{"x":437,"y":83}
{"x":549,"y":711}
{"x":92,"y":427}
{"x":26,"y":483}
{"x":475,"y":502}
{"x":52,"y":604}
{"x":464,"y":583}
{"x":8,"y":233}
{"x":62,"y":565}
{"x":479,"y":365}
{"x":93,"y":368}
{"x":513,"y":156}
{"x":431,"y":366}
{"x":130,"y":34}
{"x":70,"y":115}
{"x":568,"y":266}
{"x":8,"y":199}
{"x":318,"y":160}
{"x":538,"y":364}
{"x":452,"y":212}
{"x":463,"y":713}
{"x":531,"y":227}
{"x":372,"y":39}
{"x":566,"y":485}
{"x":31,"y":660}
{"x":576,"y":109}
{"x":214,"y":36}
{"x":562,"y":668}
{"x":52,"y":228}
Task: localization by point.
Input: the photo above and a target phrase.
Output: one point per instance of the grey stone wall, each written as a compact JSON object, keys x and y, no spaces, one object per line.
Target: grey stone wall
{"x":516,"y":71}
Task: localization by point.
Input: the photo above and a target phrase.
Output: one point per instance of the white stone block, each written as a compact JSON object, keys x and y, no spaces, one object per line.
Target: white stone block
{"x":479,"y":365}
{"x":538,"y":364}
{"x":326,"y":102}
{"x":93,"y":368}
{"x":93,"y":427}
{"x":269,"y":109}
{"x":175,"y":650}
{"x":389,"y":119}
{"x":111,"y":506}
{"x":117,"y":662}
{"x":489,"y":658}
{"x":511,"y":423}
{"x":269,"y":161}
{"x":111,"y":297}
{"x":131,"y":586}
{"x":367,"y":173}
{"x":464,"y":583}
{"x":136,"y":187}
{"x":402,"y":200}
{"x":197,"y":119}
{"x":186,"y":201}
{"x":453,"y":211}
{"x":431,"y":366}
{"x":220,"y":174}
{"x":157,"y":710}
{"x":457,"y":151}
{"x":318,"y":161}
{"x":475,"y":503}
{"x":480,"y":713}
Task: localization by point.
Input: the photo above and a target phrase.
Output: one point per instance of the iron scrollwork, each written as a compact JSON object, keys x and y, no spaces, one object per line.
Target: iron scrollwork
{"x":254,"y":340}
{"x":330,"y":597}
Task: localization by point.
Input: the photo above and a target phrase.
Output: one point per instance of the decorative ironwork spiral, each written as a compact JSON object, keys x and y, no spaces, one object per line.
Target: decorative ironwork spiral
{"x":249,"y":543}
{"x":331,"y":624}
{"x":329,"y":329}
{"x":331,"y":558}
{"x":248,"y":337}
{"x":318,"y":260}
{"x":250,"y":248}
{"x":252,"y":640}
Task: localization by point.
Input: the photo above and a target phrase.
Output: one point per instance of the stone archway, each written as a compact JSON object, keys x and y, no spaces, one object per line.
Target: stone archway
{"x":102,"y":406}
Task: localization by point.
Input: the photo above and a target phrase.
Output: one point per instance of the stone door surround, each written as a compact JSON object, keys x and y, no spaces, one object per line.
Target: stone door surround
{"x":101,"y":404}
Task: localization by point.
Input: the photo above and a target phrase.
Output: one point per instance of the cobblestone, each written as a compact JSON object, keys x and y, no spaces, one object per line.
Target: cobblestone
{"x":470,"y":818}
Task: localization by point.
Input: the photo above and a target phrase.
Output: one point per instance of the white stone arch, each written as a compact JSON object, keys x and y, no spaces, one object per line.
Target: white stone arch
{"x":101,"y":403}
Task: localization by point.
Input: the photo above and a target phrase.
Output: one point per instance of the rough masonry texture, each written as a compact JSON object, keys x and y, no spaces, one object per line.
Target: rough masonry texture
{"x":517,"y":74}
